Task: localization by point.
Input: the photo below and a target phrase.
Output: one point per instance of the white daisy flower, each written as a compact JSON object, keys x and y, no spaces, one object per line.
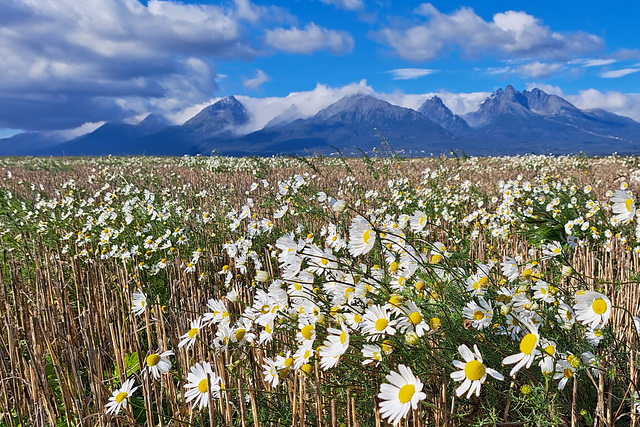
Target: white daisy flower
{"x":480,"y":314}
{"x":590,"y":360}
{"x":544,"y":291}
{"x":118,"y":399}
{"x":306,"y":333}
{"x":377,"y":322}
{"x":361,"y":236}
{"x":548,"y":360}
{"x":270,"y":372}
{"x":139,"y":302}
{"x":413,"y":320}
{"x":592,"y":308}
{"x":472,"y":371}
{"x":158,"y":364}
{"x":623,"y":205}
{"x":190,"y":337}
{"x":402,"y":394}
{"x":528,"y":350}
{"x":509,"y":268}
{"x":201,"y":381}
{"x":594,"y":336}
{"x":438,"y":252}
{"x":418,"y":221}
{"x":564,"y":372}
{"x":477,"y":284}
{"x":551,"y":250}
{"x":334,"y":347}
{"x":303,"y":354}
{"x":371,"y":354}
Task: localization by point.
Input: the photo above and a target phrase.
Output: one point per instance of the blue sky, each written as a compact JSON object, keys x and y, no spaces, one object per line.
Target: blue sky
{"x":70,"y":65}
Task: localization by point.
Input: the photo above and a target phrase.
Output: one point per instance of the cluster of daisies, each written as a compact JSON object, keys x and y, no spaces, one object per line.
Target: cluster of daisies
{"x":331,"y":302}
{"x":372,"y":281}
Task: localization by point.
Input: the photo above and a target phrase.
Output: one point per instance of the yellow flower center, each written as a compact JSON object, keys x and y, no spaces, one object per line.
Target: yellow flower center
{"x":599,"y":306}
{"x":348,"y":291}
{"x":307,"y":332}
{"x":343,"y":337}
{"x":240,"y":334}
{"x":203,"y":386}
{"x":406,"y":393}
{"x":527,"y":274}
{"x":192,"y":332}
{"x":415,"y":317}
{"x":394,"y":266}
{"x":478,"y":315}
{"x":357,"y":318}
{"x":597,"y":333}
{"x":366,"y":236}
{"x":568,"y":373}
{"x":628,"y":204}
{"x":474,"y":370}
{"x":121,"y":396}
{"x":381,"y":324}
{"x":324,"y":261}
{"x":436,"y":258}
{"x":550,"y":350}
{"x":435,"y":323}
{"x":288,"y":362}
{"x":153,"y":359}
{"x":396,"y":300}
{"x":528,"y":343}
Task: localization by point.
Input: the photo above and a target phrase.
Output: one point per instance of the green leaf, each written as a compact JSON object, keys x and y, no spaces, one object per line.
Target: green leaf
{"x":131,"y":363}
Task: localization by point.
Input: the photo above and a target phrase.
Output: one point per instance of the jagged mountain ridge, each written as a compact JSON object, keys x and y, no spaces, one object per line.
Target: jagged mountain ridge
{"x":353,"y":122}
{"x":435,"y":110}
{"x":507,"y":122}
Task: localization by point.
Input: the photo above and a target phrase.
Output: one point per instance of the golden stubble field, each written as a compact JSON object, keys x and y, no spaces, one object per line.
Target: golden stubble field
{"x":319,"y":291}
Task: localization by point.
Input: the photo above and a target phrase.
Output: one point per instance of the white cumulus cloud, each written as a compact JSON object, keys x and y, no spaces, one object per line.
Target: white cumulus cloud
{"x":254,"y":83}
{"x":308,"y":103}
{"x":545,"y":87}
{"x":309,"y":39}
{"x":539,"y":69}
{"x":625,"y":104}
{"x":68,"y":62}
{"x":510,"y":34}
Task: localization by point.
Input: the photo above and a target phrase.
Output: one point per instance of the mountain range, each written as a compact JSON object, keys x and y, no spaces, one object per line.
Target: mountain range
{"x":508,"y":122}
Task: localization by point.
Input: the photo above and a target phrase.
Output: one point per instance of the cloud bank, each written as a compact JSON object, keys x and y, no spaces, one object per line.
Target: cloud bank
{"x":510,"y":34}
{"x":309,"y":39}
{"x":67,"y":62}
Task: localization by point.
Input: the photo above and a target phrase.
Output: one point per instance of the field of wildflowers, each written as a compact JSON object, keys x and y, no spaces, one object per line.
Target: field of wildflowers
{"x":319,"y":291}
